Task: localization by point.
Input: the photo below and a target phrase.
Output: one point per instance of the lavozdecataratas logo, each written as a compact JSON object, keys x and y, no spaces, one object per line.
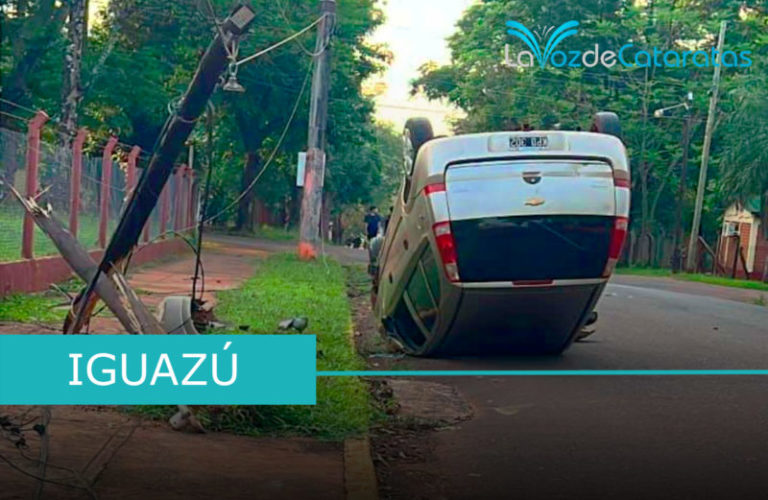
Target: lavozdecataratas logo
{"x":543,"y":43}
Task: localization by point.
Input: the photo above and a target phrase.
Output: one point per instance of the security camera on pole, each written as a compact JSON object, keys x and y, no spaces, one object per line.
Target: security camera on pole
{"x":311,"y":201}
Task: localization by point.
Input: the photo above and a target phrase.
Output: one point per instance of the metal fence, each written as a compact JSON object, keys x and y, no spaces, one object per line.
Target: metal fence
{"x":100,"y":196}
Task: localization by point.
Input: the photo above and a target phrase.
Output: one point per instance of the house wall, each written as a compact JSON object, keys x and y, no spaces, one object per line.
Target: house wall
{"x":761,"y":256}
{"x":752,"y":241}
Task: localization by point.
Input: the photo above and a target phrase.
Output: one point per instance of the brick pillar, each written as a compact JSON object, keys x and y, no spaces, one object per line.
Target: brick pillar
{"x":33,"y":157}
{"x":130,"y":174}
{"x":74,"y":180}
{"x":165,"y":203}
{"x":106,"y":183}
{"x":178,"y":202}
{"x":190,"y":199}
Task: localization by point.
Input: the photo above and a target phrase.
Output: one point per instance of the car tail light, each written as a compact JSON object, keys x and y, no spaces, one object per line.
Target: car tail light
{"x":447,"y":248}
{"x":621,"y":178}
{"x":437,"y":187}
{"x":618,"y":235}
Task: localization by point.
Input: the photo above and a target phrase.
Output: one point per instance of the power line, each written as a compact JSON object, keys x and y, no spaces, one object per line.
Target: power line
{"x":14,"y":116}
{"x":283,"y":42}
{"x":17,"y":105}
{"x":272,"y":154}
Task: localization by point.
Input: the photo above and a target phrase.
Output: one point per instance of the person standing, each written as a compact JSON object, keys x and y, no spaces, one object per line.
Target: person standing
{"x":387,"y":218}
{"x":372,"y":222}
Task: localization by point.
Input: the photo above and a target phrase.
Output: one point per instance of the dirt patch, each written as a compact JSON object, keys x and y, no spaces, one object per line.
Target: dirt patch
{"x":13,"y":328}
{"x":403,"y":443}
{"x":430,"y":402}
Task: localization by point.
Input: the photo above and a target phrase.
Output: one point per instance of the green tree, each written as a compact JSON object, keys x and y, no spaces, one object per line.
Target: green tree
{"x":498,"y":97}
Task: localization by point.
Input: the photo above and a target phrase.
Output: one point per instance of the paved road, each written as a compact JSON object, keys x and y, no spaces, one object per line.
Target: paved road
{"x":600,"y":437}
{"x":619,"y":437}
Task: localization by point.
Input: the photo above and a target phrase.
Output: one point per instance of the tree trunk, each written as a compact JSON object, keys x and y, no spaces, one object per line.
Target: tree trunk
{"x":338,"y":230}
{"x":250,"y":170}
{"x":71,"y":88}
{"x":325,"y":216}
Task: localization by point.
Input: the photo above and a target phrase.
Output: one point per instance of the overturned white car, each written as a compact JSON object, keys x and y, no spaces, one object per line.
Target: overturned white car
{"x":501,"y":240}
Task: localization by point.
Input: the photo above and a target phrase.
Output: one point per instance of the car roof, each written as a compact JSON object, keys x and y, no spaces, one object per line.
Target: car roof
{"x":435,"y":155}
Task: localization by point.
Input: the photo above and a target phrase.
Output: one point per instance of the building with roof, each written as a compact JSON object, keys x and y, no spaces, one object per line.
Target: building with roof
{"x":744,"y":239}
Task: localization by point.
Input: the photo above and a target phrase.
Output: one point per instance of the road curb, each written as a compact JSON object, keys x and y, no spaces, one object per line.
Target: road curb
{"x":359,"y":472}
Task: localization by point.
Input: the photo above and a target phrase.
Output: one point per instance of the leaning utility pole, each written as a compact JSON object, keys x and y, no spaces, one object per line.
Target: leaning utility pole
{"x":312,"y":199}
{"x":175,"y":132}
{"x":690,"y":263}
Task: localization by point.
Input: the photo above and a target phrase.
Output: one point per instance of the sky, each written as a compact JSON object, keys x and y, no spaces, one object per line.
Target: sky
{"x":416,"y":32}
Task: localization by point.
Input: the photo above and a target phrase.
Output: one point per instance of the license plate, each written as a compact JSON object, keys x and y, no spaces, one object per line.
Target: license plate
{"x":530,"y":141}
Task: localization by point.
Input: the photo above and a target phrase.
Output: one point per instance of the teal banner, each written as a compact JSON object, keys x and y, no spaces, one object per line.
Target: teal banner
{"x":157,"y":369}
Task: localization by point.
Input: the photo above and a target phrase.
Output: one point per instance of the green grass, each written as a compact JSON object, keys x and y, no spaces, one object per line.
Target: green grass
{"x":285,"y":287}
{"x":722,"y":281}
{"x":48,"y":307}
{"x":644,"y":271}
{"x":277,"y":233}
{"x":700,"y":278}
{"x":11,"y":217}
{"x":273,"y":233}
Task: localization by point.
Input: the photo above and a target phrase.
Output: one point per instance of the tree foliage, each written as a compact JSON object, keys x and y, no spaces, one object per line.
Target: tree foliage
{"x":498,"y":97}
{"x":141,"y":54}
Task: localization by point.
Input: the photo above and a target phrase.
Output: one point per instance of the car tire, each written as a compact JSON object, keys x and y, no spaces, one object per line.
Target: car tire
{"x":417,"y":131}
{"x":606,"y":122}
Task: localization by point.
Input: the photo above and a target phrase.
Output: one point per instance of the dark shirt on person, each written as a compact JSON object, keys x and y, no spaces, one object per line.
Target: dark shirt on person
{"x":372,"y":221}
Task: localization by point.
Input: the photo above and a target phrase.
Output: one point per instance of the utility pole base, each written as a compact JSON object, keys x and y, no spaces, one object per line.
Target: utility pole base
{"x":307,"y":251}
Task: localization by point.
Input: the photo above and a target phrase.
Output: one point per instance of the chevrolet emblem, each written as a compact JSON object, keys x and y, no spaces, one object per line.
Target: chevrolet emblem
{"x":534,"y":202}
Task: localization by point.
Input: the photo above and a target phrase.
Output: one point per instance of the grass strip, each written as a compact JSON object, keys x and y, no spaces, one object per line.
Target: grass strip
{"x":284,"y":287}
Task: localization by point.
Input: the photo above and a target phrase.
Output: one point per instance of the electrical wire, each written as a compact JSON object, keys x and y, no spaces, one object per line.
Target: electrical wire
{"x":17,"y":105}
{"x":17,"y":117}
{"x":282,"y":42}
{"x":272,"y":154}
{"x":282,"y":10}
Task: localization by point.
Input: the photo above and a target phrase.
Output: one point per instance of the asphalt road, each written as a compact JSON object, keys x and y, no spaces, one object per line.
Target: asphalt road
{"x":603,"y":437}
{"x":611,"y":437}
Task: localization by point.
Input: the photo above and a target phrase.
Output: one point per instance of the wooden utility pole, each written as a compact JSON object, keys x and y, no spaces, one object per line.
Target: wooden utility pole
{"x":312,"y":199}
{"x":677,"y":257}
{"x":691,"y":259}
{"x":73,"y":57}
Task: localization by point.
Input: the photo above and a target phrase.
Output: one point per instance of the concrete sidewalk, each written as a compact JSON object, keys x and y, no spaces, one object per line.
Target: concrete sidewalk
{"x":156,"y":462}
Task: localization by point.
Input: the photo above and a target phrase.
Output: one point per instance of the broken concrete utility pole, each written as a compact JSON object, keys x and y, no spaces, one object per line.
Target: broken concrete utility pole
{"x":171,"y":142}
{"x":314,"y":175}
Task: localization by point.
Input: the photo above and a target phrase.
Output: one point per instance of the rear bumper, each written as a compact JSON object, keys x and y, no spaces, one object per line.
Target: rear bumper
{"x":537,"y":318}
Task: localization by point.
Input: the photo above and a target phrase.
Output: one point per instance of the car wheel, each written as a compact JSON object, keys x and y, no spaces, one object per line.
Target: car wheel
{"x":417,"y":132}
{"x":606,"y":123}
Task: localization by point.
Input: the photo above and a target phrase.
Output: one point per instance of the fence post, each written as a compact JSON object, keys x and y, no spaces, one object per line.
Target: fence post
{"x":190,"y":198}
{"x":178,"y":202}
{"x":106,"y":183}
{"x":74,"y":181}
{"x":33,"y":156}
{"x":164,"y":206}
{"x":130,"y":174}
{"x":130,"y":182}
